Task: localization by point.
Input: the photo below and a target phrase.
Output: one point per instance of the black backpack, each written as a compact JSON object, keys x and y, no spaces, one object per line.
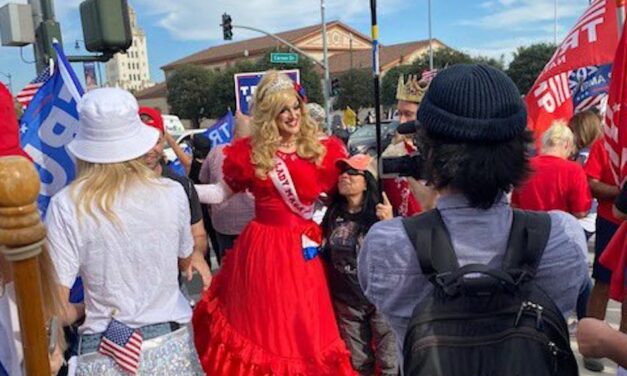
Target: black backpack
{"x":482,"y":321}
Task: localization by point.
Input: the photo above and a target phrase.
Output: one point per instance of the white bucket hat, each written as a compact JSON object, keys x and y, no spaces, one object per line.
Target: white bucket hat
{"x":110,"y":130}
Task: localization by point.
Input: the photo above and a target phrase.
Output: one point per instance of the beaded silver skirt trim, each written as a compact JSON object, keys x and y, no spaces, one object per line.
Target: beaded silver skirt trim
{"x":170,"y":354}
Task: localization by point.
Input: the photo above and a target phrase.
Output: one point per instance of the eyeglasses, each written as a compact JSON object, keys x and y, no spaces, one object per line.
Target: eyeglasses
{"x":353,"y":172}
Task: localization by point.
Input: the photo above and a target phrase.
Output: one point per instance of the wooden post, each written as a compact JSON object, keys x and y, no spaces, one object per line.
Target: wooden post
{"x":22,"y":236}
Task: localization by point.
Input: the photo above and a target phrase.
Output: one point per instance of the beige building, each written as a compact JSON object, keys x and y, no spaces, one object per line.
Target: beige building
{"x":348,"y":48}
{"x":131,"y":71}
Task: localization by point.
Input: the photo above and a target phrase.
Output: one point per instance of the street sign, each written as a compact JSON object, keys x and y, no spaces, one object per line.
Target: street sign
{"x":284,"y":58}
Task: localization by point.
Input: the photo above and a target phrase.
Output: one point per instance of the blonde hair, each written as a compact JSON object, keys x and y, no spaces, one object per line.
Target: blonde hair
{"x":268,"y":104}
{"x":559,"y":133}
{"x":100,"y":184}
{"x":586,"y":127}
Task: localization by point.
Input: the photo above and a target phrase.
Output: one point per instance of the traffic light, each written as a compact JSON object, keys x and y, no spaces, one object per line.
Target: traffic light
{"x":227,"y":28}
{"x":335,"y":87}
{"x":106,"y":25}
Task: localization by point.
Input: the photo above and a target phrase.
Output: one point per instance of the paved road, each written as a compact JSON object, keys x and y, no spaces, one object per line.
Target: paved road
{"x":613,"y":317}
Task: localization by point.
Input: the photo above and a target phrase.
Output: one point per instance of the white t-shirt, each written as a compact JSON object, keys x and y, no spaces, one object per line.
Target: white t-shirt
{"x":131,"y":268}
{"x":10,"y":340}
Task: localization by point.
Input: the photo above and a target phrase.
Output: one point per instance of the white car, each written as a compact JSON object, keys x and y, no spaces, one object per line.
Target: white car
{"x":173,"y":125}
{"x":183,"y":139}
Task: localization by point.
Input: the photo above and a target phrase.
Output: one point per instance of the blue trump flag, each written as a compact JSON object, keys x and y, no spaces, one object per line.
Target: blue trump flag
{"x":222,"y":131}
{"x":48,"y":125}
{"x":219,"y":133}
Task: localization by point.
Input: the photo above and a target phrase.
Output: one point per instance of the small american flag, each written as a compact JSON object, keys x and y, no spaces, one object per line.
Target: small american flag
{"x":123,"y":345}
{"x":26,"y":95}
{"x":428,"y":75}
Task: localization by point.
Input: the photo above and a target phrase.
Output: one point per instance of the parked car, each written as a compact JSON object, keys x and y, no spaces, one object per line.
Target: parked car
{"x":184,"y":139}
{"x":364,"y":139}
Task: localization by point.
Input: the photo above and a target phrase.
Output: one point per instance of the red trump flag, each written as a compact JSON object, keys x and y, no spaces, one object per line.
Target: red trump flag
{"x":615,"y":124}
{"x":586,"y":51}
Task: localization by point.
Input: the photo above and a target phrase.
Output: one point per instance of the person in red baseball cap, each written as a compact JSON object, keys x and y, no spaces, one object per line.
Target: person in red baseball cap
{"x":10,"y":140}
{"x":352,"y":211}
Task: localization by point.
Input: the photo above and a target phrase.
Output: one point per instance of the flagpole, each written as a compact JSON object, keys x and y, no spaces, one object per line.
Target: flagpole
{"x":620,"y":15}
{"x":22,"y":237}
{"x":555,"y":23}
{"x":376,"y":72}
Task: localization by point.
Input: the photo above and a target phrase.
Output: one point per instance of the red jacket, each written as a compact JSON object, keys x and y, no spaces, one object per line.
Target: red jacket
{"x":9,"y":129}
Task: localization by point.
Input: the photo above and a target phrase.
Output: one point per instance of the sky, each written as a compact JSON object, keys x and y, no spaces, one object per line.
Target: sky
{"x":176,"y":29}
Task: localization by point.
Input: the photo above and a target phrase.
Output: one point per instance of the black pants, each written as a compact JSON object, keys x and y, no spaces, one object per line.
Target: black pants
{"x":369,"y":338}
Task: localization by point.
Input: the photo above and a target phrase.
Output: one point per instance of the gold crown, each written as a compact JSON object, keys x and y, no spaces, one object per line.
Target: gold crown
{"x":411,"y":90}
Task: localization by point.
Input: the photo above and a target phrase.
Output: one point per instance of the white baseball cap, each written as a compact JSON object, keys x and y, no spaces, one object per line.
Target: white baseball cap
{"x":110,"y":130}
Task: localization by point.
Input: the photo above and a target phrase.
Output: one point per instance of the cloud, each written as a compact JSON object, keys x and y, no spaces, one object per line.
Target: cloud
{"x":523,"y":14}
{"x":200,"y":20}
{"x":503,"y":47}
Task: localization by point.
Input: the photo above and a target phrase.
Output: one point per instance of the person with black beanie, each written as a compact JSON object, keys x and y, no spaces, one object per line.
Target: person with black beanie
{"x":474,"y":141}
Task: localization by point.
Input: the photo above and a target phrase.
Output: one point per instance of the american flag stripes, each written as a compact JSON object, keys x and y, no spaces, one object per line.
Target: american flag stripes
{"x":123,"y":345}
{"x":26,"y":95}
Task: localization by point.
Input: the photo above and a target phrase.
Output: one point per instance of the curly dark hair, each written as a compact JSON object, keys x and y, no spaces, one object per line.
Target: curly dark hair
{"x":481,"y":171}
{"x":368,"y":214}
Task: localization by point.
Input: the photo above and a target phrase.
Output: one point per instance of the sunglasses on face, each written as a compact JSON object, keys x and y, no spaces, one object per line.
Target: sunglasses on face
{"x":353,"y":172}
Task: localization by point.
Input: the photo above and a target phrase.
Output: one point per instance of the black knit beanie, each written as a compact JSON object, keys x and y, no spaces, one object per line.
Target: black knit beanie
{"x":473,"y":103}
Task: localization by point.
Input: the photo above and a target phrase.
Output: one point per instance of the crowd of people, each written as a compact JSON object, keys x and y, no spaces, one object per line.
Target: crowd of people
{"x":320,"y":272}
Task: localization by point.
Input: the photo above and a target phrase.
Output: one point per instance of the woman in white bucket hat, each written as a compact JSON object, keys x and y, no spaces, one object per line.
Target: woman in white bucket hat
{"x":126,"y":232}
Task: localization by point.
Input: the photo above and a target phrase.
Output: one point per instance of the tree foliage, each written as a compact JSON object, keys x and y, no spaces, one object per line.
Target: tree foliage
{"x":442,"y":58}
{"x":189,"y":94}
{"x":527,"y":64}
{"x":356,"y":89}
{"x":223,"y":88}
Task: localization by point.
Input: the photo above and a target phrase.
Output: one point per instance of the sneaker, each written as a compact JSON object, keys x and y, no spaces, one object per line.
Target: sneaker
{"x":593,"y":365}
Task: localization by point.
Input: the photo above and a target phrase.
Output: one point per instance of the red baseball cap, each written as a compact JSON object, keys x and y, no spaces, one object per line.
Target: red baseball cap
{"x":359,"y":162}
{"x":156,"y":120}
{"x":9,"y":129}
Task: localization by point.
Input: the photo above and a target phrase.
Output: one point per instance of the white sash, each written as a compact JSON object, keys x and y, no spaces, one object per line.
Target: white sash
{"x":282,"y":181}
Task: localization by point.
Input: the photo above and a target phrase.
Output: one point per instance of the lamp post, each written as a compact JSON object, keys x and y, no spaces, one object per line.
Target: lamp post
{"x":555,"y":23}
{"x":325,"y":59}
{"x":10,"y":78}
{"x":430,"y":37}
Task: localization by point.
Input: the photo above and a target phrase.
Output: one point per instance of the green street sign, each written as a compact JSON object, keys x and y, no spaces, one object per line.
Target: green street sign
{"x":284,"y":58}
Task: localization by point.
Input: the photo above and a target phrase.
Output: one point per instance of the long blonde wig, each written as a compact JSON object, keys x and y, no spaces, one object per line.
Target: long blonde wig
{"x":101,"y":183}
{"x":268,"y":104}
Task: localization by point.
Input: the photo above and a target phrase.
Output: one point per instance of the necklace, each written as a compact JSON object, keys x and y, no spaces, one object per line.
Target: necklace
{"x":288,"y":144}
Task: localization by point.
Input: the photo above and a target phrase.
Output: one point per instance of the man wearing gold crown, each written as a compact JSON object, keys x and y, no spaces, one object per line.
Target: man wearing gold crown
{"x":407,"y":196}
{"x":409,"y":95}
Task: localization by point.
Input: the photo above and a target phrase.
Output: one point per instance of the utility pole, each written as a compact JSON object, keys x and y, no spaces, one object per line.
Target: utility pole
{"x":351,"y":48}
{"x":327,"y":88}
{"x":555,"y":23}
{"x":430,"y":37}
{"x":46,"y":29}
{"x":620,"y":15}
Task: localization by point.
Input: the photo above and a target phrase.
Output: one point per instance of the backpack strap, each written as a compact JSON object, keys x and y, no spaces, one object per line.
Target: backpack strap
{"x":432,"y":243}
{"x":525,"y":246}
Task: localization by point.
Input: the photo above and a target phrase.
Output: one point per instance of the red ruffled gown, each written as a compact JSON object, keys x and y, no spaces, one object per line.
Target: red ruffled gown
{"x":268,"y":311}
